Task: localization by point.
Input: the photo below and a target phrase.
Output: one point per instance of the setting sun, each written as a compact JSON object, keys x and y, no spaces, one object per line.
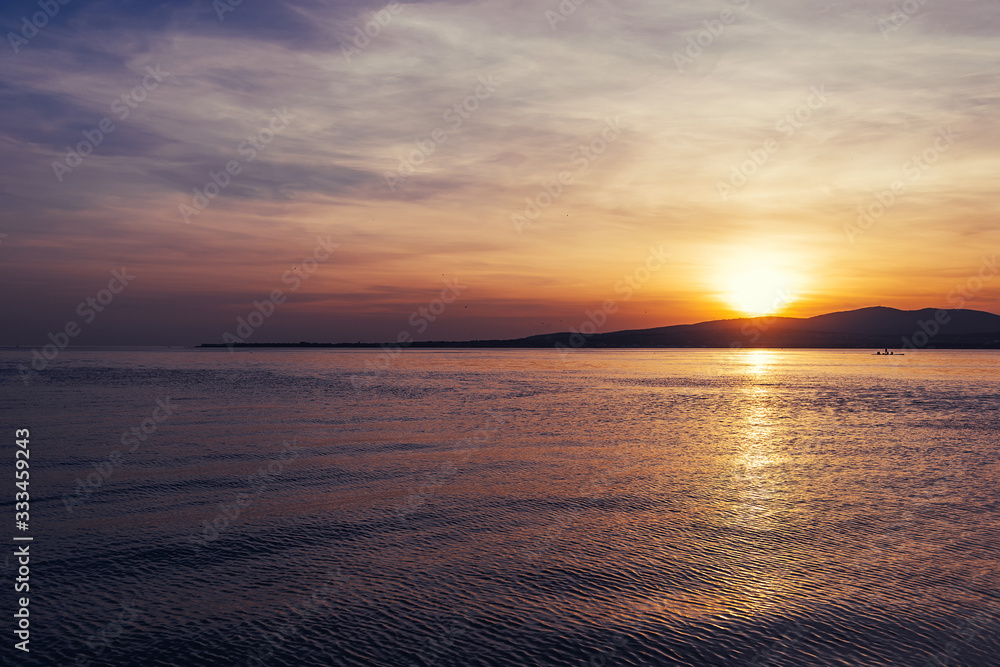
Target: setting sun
{"x":760,"y":291}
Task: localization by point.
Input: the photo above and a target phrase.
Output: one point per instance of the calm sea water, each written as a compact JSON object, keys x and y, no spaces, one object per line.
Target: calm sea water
{"x":688,"y":507}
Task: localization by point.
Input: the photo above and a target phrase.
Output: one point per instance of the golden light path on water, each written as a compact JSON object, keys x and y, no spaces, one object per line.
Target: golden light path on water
{"x":757,"y":472}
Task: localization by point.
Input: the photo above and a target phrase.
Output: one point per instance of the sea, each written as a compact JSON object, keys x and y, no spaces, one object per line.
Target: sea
{"x":503,"y":507}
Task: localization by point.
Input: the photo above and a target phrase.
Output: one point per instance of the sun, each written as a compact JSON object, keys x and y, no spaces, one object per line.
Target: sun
{"x":760,"y":291}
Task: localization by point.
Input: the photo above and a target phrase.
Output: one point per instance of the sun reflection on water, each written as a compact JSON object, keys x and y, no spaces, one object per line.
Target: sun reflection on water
{"x":758,"y":474}
{"x":759,"y":361}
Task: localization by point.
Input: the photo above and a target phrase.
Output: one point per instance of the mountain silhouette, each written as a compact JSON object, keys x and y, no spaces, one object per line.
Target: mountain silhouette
{"x":889,"y":321}
{"x":876,"y":327}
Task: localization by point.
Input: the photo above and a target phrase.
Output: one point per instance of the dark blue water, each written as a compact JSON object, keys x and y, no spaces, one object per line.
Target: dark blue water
{"x":690,"y":507}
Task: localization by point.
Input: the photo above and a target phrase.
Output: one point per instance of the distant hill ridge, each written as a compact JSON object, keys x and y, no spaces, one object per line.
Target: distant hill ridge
{"x":866,"y":327}
{"x":890,"y":321}
{"x":875,"y":327}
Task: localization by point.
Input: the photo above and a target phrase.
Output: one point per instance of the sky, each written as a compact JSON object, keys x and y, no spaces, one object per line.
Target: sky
{"x":472,"y":170}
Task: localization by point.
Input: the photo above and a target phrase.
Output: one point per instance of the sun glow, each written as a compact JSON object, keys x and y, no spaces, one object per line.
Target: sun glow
{"x":760,"y":291}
